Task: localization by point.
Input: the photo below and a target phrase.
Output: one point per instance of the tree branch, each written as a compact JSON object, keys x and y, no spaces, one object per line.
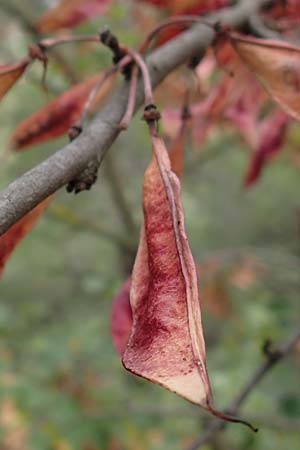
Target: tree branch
{"x":271,"y":360}
{"x":117,"y":191}
{"x":23,"y":194}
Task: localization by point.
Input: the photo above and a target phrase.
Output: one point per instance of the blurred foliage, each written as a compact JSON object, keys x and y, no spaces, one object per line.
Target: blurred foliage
{"x":62,"y":386}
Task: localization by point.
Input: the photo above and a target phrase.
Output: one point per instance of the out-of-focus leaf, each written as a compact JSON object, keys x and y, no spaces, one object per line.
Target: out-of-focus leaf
{"x":54,"y":119}
{"x":121,"y":318}
{"x":70,"y":13}
{"x":276,"y":65}
{"x":246,"y":272}
{"x":13,"y":236}
{"x":214,"y":287}
{"x":10,"y":73}
{"x":14,"y":434}
{"x":244,"y":112}
{"x":272,"y":136}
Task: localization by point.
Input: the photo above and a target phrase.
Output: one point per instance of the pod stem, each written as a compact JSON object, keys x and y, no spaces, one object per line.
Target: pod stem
{"x":230,"y":418}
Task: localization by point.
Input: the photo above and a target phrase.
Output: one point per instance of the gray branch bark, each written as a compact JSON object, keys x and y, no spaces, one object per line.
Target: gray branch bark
{"x":23,"y":194}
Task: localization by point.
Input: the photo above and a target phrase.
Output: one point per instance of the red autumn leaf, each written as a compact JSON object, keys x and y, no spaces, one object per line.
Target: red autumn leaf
{"x":166,"y":345}
{"x":244,"y":112}
{"x":13,"y":236}
{"x":70,"y":13}
{"x":121,"y":318}
{"x":54,"y":119}
{"x":276,"y":65}
{"x":272,"y":135}
{"x":10,"y":73}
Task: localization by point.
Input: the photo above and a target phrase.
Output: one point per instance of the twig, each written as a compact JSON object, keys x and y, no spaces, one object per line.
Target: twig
{"x":271,"y":360}
{"x":131,"y":99}
{"x":148,"y":94}
{"x":22,"y":195}
{"x":117,"y":190}
{"x":185,"y":20}
{"x":62,"y":214}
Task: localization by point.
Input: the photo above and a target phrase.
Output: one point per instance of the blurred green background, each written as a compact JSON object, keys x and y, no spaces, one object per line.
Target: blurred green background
{"x":62,"y":386}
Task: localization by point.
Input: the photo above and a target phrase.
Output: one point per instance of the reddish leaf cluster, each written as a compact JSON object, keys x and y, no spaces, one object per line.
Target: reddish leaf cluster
{"x":256,"y":66}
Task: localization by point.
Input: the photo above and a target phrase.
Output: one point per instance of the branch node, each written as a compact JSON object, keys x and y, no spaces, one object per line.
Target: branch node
{"x":37,"y":51}
{"x":151,"y":113}
{"x":270,"y":351}
{"x":111,"y":41}
{"x":85,"y":180}
{"x":74,"y":132}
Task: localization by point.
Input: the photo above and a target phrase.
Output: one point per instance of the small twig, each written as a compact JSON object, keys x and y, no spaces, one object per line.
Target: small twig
{"x":180,"y":20}
{"x":50,"y":43}
{"x":131,"y":99}
{"x":148,"y":93}
{"x":272,"y":359}
{"x":117,"y":190}
{"x":78,"y":126}
{"x":120,"y":52}
{"x":63,"y":214}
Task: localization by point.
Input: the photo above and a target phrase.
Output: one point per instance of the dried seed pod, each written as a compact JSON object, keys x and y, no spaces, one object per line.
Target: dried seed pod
{"x":166,"y":345}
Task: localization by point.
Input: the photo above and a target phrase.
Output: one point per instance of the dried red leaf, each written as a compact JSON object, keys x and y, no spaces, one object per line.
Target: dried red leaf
{"x":244,"y":112}
{"x":121,"y":318}
{"x":70,"y":13}
{"x":166,"y":345}
{"x":276,"y":65}
{"x":54,"y":119}
{"x":13,"y":236}
{"x":10,"y":73}
{"x":272,"y":136}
